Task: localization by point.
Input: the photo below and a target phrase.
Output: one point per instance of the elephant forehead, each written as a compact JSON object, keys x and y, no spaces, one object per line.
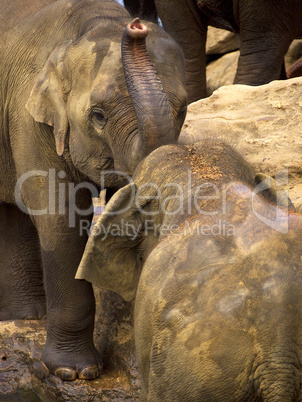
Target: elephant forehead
{"x":108,"y":57}
{"x":81,"y":59}
{"x":96,"y":63}
{"x":108,"y":76}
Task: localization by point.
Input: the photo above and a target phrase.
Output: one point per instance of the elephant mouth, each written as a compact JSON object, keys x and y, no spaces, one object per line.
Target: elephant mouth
{"x":110,"y":175}
{"x":105,"y":172}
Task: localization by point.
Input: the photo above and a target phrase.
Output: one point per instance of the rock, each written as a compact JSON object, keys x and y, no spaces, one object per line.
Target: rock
{"x":220,"y":41}
{"x":221,"y":72}
{"x":222,"y":55}
{"x":22,"y":377}
{"x":263,"y":122}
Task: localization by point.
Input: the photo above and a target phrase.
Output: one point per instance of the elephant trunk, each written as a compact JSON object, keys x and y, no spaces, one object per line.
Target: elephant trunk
{"x":151,"y":105}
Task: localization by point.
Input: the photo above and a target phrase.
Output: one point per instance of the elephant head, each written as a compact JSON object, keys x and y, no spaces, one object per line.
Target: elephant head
{"x":144,"y":212}
{"x":110,"y":105}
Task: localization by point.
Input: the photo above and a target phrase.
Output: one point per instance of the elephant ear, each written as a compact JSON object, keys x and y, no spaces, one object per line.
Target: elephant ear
{"x":47,"y":100}
{"x":111,"y":258}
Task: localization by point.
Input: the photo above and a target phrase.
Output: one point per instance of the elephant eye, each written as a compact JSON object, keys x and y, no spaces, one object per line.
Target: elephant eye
{"x":99,"y":116}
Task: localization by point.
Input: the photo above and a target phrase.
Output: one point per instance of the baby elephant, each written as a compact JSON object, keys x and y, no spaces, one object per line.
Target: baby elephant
{"x":218,"y":304}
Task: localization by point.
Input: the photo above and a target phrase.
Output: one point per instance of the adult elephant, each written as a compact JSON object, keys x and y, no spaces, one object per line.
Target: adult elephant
{"x":141,"y":8}
{"x":71,"y":111}
{"x":219,"y":273}
{"x":266,"y":30}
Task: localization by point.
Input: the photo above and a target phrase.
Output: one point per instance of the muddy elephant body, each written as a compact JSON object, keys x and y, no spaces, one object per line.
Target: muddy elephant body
{"x":266,"y":30}
{"x":75,"y":110}
{"x":218,"y":268}
{"x":225,"y":314}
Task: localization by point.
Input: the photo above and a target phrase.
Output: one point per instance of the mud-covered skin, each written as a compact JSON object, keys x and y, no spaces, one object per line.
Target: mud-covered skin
{"x":225,"y":312}
{"x":217,"y":305}
{"x":266,"y":30}
{"x":80,"y":95}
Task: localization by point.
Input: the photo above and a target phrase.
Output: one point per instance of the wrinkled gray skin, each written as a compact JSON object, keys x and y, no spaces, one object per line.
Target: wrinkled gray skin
{"x":67,"y":106}
{"x":217,"y":311}
{"x":266,"y":29}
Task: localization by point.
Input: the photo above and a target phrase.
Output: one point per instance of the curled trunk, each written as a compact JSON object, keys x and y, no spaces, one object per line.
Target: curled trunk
{"x":152,"y":108}
{"x":295,"y":70}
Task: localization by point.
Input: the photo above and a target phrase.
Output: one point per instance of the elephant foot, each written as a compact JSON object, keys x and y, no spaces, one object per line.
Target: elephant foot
{"x":68,"y":374}
{"x":32,"y":312}
{"x":73,"y":365}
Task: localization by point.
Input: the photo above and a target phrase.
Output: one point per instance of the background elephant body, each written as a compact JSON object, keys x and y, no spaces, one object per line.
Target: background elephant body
{"x":74,"y":109}
{"x":142,"y":9}
{"x":266,"y":30}
{"x":219,"y":278}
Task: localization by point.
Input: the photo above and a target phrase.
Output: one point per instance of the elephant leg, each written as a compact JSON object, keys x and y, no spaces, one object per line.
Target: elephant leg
{"x":259,"y":67}
{"x":149,"y":10}
{"x":183,"y":21}
{"x":141,"y":8}
{"x":262,"y":47}
{"x":69,"y":351}
{"x":133,"y":7}
{"x":22,"y":293}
